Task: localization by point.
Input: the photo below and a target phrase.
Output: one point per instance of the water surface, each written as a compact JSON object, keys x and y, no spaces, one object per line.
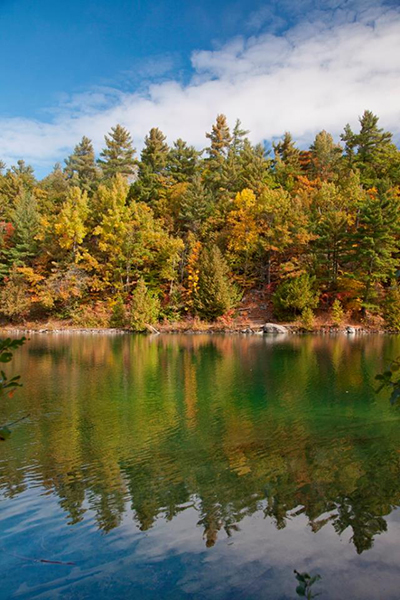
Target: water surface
{"x":201,"y":467}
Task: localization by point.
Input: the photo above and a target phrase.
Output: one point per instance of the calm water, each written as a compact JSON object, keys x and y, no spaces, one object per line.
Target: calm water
{"x":200,"y":467}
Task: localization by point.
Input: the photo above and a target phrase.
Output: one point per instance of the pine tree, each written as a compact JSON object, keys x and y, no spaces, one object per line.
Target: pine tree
{"x":26,"y":221}
{"x":216,"y":294}
{"x":371,"y":150}
{"x":152,"y":174}
{"x":118,"y":156}
{"x":183,"y":161}
{"x":287,"y":161}
{"x":155,"y":151}
{"x":332,"y":217}
{"x":195,"y":206}
{"x":81,"y":167}
{"x":215,"y":165}
{"x":376,"y":243}
{"x":220,"y":138}
{"x":325,"y":156}
{"x":254,"y":168}
{"x":238,"y":138}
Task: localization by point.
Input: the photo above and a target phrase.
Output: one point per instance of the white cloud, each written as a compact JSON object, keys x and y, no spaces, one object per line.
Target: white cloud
{"x":321,"y":73}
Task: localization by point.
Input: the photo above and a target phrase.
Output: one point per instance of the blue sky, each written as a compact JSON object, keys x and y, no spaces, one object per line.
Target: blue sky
{"x":74,"y":68}
{"x":55,"y":48}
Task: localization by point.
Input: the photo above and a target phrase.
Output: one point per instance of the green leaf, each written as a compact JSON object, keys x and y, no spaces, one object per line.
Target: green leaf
{"x":5,"y":357}
{"x":301,"y":590}
{"x":5,"y":433}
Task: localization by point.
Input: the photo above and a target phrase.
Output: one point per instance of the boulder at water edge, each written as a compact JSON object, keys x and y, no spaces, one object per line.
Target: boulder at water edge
{"x":274,"y":328}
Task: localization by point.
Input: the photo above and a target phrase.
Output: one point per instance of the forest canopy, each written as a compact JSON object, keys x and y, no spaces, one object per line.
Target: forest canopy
{"x":125,"y":240}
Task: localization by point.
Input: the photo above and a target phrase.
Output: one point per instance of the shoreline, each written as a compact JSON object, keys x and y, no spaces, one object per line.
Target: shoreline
{"x":173,"y":329}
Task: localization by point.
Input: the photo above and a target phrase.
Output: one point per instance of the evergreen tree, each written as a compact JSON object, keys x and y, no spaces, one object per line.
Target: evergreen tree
{"x":56,"y":186}
{"x":287,"y":161}
{"x":376,"y":243}
{"x":325,"y":156}
{"x":152,"y":174}
{"x":216,"y":294}
{"x":118,"y":156}
{"x":238,"y":138}
{"x":26,"y":221}
{"x":195,"y":206}
{"x":155,"y":151}
{"x":145,"y":307}
{"x":220,"y":138}
{"x":254,"y":168}
{"x":81,"y":167}
{"x":220,"y":143}
{"x":371,"y":150}
{"x":183,"y":161}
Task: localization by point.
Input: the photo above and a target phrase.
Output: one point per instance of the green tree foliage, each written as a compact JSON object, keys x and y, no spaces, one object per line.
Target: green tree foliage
{"x":118,"y":157}
{"x":118,"y":316}
{"x":196,"y":205}
{"x":391,"y":308}
{"x":376,"y":243}
{"x":294,"y":295}
{"x":152,"y":173}
{"x":337,"y":313}
{"x":216,"y":294}
{"x":218,"y":152}
{"x":182,"y":161}
{"x":325,"y":157}
{"x":287,"y":160}
{"x":307,"y":318}
{"x":25,"y":218}
{"x":145,"y":307}
{"x":371,"y":150}
{"x":80,"y":167}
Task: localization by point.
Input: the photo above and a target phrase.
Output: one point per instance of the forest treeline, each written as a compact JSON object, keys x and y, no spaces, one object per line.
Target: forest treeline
{"x":125,"y":240}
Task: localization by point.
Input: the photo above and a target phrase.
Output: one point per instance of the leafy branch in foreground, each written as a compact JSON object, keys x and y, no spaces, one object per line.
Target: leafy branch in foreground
{"x":390,"y":379}
{"x":305,"y":582}
{"x":8,"y":386}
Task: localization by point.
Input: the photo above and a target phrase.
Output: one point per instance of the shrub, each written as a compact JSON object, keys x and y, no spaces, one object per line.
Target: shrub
{"x":293,"y":295}
{"x":307,"y":318}
{"x":145,"y":307}
{"x":118,"y":316}
{"x":96,"y":315}
{"x":15,"y":300}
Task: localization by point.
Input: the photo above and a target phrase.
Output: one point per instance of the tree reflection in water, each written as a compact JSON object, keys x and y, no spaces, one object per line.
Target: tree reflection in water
{"x":228,"y":425}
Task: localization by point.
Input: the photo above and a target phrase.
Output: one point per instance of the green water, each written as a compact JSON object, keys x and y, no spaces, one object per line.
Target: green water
{"x":201,"y":467}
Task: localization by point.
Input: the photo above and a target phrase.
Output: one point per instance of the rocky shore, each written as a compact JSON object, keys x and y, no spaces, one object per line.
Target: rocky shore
{"x":198,"y":328}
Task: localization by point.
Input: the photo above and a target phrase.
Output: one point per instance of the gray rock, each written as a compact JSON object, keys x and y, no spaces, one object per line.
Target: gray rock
{"x":274,"y":328}
{"x":350,"y":330}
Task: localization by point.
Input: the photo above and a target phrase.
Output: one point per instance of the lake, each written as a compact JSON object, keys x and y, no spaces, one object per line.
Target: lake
{"x":200,"y":467}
